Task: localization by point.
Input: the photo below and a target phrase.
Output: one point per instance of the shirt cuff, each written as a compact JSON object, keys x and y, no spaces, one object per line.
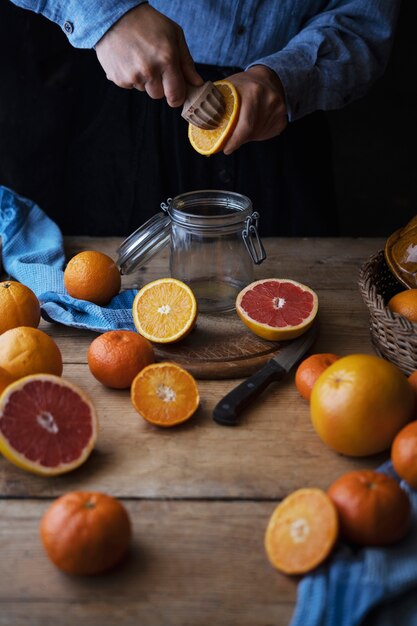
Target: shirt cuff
{"x":297,"y":73}
{"x":85,"y":23}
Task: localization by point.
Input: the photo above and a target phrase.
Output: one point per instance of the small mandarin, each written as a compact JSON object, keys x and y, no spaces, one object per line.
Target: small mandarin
{"x":86,"y":533}
{"x":404,"y":454}
{"x":92,"y":276}
{"x":310,"y":369}
{"x":373,"y":509}
{"x":117,"y":356}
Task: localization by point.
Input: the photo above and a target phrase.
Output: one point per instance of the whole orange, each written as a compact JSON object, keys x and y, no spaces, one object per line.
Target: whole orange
{"x":85,"y":533}
{"x":310,"y":369}
{"x":404,"y":454}
{"x":25,"y":350}
{"x":405,"y":303}
{"x":373,"y":509}
{"x":359,"y":403}
{"x":5,"y":379}
{"x":115,"y":357}
{"x":18,"y":306}
{"x":412,"y":379}
{"x":92,"y":276}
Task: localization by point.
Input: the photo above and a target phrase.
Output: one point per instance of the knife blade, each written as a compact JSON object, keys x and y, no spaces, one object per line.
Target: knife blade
{"x":227,"y":411}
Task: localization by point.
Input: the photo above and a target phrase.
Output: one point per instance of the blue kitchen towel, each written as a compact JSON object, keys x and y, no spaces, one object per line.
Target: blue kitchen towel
{"x":33,"y":253}
{"x":372,"y":586}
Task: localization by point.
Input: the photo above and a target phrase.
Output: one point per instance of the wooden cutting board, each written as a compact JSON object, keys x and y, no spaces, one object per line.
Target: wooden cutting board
{"x":219,"y":346}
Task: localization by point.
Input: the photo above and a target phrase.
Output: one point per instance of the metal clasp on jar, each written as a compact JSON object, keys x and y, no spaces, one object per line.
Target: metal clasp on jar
{"x":165,"y":205}
{"x":252,"y":240}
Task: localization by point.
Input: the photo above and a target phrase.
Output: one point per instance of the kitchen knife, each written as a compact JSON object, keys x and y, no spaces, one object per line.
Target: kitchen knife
{"x":226,"y":412}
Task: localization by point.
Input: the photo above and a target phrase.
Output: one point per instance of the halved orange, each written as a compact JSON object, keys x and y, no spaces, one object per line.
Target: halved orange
{"x":164,"y":310}
{"x":48,"y":426}
{"x":165,"y":394}
{"x":301,"y":531}
{"x":277,"y":308}
{"x":208,"y":142}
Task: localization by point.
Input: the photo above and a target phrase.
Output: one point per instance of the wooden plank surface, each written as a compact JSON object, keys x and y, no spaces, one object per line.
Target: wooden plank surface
{"x":193,"y":563}
{"x":200,"y":495}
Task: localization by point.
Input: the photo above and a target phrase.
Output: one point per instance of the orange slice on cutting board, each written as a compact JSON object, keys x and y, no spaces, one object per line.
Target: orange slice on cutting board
{"x":277,"y":309}
{"x":165,"y":310}
{"x":208,"y":142}
{"x":165,"y":394}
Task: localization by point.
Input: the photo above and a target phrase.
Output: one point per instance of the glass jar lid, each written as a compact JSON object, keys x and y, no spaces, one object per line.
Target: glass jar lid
{"x":144,"y":243}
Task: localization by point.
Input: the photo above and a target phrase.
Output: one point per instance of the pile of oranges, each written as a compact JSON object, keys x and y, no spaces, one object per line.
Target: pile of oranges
{"x":360,"y":405}
{"x":31,"y":367}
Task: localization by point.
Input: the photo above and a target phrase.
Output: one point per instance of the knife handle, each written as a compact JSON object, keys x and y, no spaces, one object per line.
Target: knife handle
{"x":227,"y":410}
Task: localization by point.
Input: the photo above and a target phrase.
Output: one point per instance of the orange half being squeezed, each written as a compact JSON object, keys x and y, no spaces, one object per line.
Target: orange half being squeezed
{"x":208,"y":142}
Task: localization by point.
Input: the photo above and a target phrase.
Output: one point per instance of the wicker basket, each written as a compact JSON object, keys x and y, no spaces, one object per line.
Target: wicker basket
{"x":393,"y":337}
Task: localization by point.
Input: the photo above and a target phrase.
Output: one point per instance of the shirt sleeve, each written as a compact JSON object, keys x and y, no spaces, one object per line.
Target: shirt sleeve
{"x":336,"y":56}
{"x":83,"y":21}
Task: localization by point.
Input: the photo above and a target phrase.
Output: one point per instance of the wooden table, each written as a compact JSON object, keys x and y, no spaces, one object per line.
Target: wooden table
{"x":199,"y":495}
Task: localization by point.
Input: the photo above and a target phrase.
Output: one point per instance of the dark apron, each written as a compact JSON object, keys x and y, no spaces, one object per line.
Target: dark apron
{"x":100,"y":159}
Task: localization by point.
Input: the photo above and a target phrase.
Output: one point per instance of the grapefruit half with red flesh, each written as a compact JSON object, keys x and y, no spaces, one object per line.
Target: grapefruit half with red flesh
{"x":48,"y":426}
{"x":276,"y":308}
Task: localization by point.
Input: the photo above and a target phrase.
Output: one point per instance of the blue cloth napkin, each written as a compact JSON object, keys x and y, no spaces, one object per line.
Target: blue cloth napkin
{"x":372,"y":586}
{"x":33,"y":253}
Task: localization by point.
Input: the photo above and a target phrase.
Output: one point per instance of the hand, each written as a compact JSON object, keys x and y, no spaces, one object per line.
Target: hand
{"x":263,"y":111}
{"x":148,"y":51}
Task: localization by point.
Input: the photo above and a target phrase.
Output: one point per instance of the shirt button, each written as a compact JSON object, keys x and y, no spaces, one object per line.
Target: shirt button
{"x":241,"y":29}
{"x":69,"y":28}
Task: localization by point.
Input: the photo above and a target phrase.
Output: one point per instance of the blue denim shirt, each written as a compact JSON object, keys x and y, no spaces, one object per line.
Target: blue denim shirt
{"x":326,"y":53}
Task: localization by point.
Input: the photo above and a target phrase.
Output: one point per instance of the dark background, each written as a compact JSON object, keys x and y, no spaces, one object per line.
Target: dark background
{"x":374,"y":138}
{"x":374,"y":144}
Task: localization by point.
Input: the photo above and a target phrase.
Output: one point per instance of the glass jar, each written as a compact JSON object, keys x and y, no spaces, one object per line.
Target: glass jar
{"x":214,"y":244}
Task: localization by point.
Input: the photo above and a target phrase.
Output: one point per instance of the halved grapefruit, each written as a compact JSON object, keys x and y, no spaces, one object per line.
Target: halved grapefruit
{"x":48,"y":426}
{"x":277,"y":308}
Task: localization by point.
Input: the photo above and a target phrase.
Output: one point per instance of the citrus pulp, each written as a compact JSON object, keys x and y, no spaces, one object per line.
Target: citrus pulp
{"x":208,"y":142}
{"x":301,"y":531}
{"x":165,"y":310}
{"x":48,"y":426}
{"x":276,"y":308}
{"x":165,"y":394}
